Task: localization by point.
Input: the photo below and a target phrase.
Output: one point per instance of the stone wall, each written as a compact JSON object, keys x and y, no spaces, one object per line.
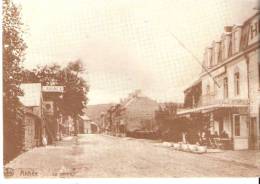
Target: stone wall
{"x":29,"y":132}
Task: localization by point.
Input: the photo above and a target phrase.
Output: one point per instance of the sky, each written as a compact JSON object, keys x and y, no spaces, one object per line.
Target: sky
{"x":127,"y":44}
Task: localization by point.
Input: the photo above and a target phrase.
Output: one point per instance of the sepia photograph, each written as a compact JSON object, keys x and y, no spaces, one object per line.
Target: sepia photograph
{"x":130,"y":89}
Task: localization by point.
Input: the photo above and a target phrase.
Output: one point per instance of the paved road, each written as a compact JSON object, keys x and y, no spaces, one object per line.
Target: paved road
{"x":106,"y":156}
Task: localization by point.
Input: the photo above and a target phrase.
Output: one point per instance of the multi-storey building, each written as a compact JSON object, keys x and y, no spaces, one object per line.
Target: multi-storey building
{"x":228,"y":88}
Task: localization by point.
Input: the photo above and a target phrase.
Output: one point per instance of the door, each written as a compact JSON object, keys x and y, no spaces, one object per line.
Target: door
{"x":240,"y":132}
{"x":221,"y":126}
{"x":252,"y":133}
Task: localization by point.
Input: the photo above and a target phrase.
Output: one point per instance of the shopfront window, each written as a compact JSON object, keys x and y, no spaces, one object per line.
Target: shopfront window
{"x":237,"y":125}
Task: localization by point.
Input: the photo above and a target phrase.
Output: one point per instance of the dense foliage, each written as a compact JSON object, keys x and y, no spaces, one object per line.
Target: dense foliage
{"x":74,"y":98}
{"x":13,"y":47}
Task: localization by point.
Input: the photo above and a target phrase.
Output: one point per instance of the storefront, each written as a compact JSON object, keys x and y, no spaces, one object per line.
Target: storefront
{"x":226,"y":124}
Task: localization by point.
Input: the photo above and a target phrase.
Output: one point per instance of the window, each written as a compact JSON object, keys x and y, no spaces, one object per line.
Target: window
{"x":237,"y":84}
{"x":225,"y":87}
{"x":223,"y":49}
{"x":219,"y":55}
{"x":213,"y":54}
{"x":208,"y":89}
{"x":210,"y":58}
{"x":210,"y":61}
{"x":216,"y":59}
{"x":237,"y":125}
{"x":230,"y":49}
{"x":221,"y":126}
{"x":236,"y":42}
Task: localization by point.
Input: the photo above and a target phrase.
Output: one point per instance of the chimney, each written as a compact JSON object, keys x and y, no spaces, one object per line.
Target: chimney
{"x":228,"y":29}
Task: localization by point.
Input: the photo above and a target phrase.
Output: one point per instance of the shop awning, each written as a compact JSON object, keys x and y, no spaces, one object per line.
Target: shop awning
{"x":209,"y":108}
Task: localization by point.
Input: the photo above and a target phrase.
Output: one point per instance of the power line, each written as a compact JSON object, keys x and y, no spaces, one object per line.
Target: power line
{"x":195,"y":57}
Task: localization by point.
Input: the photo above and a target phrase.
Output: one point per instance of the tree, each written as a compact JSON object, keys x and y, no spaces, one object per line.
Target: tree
{"x":13,"y":47}
{"x":75,"y":92}
{"x":118,"y":111}
{"x":75,"y":86}
{"x":74,"y":98}
{"x":168,"y":126}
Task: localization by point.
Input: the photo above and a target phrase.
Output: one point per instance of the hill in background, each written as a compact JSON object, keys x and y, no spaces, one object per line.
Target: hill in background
{"x":94,"y":111}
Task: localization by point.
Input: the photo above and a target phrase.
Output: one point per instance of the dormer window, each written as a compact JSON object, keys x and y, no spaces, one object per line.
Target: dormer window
{"x":216,"y":52}
{"x":236,"y":38}
{"x":205,"y":61}
{"x":227,"y":44}
{"x":220,"y":54}
{"x":209,"y":57}
{"x":223,"y":49}
{"x":230,"y":49}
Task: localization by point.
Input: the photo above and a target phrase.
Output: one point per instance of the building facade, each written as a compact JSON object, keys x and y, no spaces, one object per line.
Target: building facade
{"x":139,"y":112}
{"x":32,"y":125}
{"x":134,"y":113}
{"x":86,"y":125}
{"x":228,"y":89}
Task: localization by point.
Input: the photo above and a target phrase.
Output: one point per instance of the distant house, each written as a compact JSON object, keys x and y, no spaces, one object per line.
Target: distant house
{"x":96,"y":113}
{"x":139,"y":112}
{"x":86,"y":125}
{"x":31,"y":115}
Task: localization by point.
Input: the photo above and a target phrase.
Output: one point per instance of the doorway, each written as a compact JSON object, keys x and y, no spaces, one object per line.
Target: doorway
{"x":240,"y":132}
{"x":252,"y":133}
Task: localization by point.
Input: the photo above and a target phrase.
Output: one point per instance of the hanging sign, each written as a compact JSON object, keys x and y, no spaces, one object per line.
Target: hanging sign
{"x":48,"y":107}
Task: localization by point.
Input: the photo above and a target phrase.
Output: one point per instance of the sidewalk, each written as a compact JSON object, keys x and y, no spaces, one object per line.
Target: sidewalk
{"x":249,"y":158}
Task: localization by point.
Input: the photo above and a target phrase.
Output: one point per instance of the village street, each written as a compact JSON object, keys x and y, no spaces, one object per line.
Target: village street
{"x":95,"y":155}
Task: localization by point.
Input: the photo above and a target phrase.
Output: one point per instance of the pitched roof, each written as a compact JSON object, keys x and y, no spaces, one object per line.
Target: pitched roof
{"x":32,"y":94}
{"x":134,"y":99}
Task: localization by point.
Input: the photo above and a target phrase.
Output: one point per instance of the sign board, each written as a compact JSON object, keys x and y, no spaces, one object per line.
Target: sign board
{"x":250,"y":32}
{"x":57,"y":89}
{"x":48,"y":107}
{"x":254,"y":30}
